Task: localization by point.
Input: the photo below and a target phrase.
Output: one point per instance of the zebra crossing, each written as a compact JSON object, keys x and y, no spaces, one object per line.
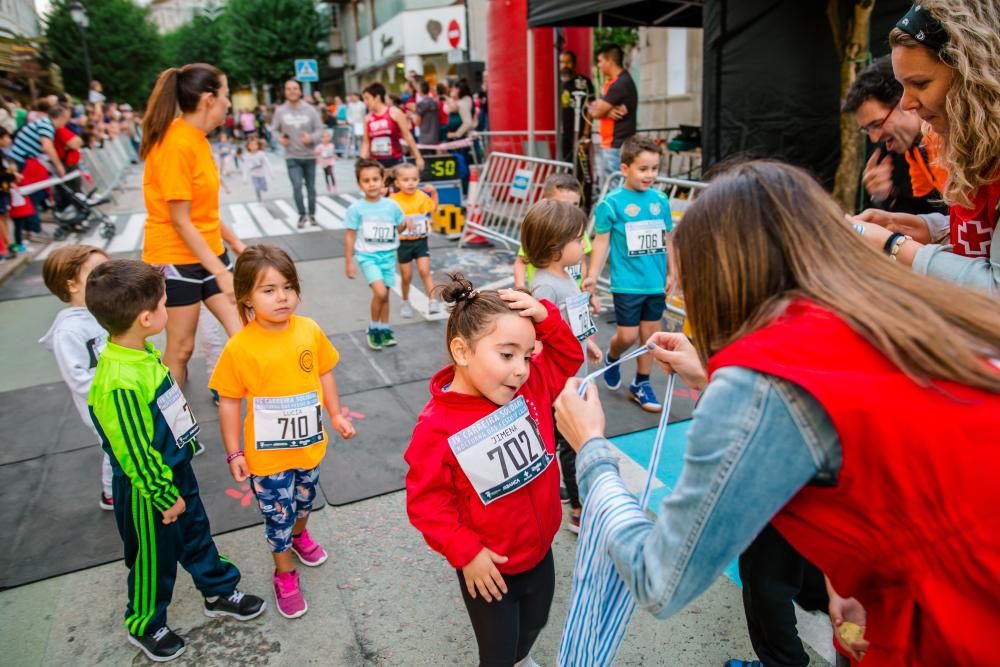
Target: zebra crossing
{"x":249,"y":220}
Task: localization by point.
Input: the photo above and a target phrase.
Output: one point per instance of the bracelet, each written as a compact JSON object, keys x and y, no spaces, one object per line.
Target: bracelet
{"x":234,"y":455}
{"x":899,"y":244}
{"x":891,"y":241}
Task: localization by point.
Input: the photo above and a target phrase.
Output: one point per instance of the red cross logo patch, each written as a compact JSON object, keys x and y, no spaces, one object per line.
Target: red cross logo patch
{"x":974,"y":238}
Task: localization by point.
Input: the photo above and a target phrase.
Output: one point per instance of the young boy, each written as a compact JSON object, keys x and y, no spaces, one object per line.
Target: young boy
{"x":564,"y":188}
{"x":75,"y":337}
{"x":379,"y":220}
{"x":633,"y":221}
{"x":418,"y":207}
{"x":146,"y":425}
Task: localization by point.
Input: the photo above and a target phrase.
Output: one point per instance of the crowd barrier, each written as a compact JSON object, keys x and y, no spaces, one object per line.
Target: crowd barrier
{"x":507,"y":187}
{"x":108,"y":164}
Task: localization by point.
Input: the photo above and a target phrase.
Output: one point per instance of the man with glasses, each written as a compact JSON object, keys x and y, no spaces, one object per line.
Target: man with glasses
{"x":900,"y":175}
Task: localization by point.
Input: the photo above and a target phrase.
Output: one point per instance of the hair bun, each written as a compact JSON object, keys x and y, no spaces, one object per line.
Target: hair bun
{"x":458,"y":289}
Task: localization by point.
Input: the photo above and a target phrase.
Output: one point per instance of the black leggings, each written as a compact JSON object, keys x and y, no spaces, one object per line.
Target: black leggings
{"x":328,"y":176}
{"x":507,"y":629}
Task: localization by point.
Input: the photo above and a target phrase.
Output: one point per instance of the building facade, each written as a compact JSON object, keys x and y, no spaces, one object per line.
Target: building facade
{"x":169,"y":15}
{"x":23,"y":72}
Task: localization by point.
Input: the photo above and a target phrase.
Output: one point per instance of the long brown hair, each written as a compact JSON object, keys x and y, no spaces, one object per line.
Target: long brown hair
{"x":765,"y":232}
{"x":176,"y":89}
{"x":251,"y":263}
{"x":472,"y":312}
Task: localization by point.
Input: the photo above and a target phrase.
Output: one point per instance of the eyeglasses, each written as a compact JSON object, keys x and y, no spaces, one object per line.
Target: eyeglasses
{"x":876,"y":126}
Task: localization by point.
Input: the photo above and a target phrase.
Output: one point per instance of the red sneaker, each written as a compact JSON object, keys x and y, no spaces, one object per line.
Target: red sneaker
{"x":307,"y":550}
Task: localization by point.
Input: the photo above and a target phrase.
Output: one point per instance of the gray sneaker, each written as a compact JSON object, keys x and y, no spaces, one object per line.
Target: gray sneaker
{"x":434,"y":307}
{"x":406,"y":310}
{"x":312,"y":221}
{"x":302,"y":221}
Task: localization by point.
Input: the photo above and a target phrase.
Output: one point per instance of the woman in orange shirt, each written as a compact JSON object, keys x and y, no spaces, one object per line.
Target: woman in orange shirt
{"x":181,"y":190}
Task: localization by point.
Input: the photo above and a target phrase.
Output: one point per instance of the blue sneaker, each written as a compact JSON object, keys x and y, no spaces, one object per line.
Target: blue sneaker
{"x":644,"y":395}
{"x":374,"y":338}
{"x":612,"y":376}
{"x":736,"y":662}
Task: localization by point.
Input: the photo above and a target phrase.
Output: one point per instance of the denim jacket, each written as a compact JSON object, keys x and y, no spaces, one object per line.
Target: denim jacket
{"x":933,"y":259}
{"x":755,"y":441}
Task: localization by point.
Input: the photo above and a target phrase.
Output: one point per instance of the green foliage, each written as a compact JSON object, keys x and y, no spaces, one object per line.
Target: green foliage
{"x":264,"y":37}
{"x":623,"y":37}
{"x":123,"y":44}
{"x":197,"y":41}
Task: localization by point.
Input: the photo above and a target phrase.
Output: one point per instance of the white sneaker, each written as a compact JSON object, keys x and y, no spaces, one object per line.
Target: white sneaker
{"x":434,"y":307}
{"x":527,"y":662}
{"x":406,"y":310}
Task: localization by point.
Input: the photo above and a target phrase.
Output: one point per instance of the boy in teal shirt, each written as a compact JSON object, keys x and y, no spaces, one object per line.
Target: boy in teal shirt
{"x":632,"y":223}
{"x":150,"y":433}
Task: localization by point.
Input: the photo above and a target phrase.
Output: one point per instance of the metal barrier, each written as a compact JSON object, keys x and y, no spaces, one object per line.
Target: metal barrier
{"x":107,"y":165}
{"x":507,"y":187}
{"x":343,"y":139}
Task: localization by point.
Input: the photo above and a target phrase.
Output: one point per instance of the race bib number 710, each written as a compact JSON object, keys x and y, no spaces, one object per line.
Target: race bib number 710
{"x":287,"y":422}
{"x":502,"y":452}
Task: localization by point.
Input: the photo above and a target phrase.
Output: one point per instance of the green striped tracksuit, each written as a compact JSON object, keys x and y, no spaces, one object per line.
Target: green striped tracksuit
{"x":148,"y":430}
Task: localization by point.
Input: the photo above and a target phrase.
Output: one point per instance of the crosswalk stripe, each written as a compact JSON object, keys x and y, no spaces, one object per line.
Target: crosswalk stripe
{"x":334,"y":206}
{"x":270,"y":225}
{"x":131,"y":237}
{"x":291,"y":215}
{"x":326,"y":218}
{"x":418,"y":299}
{"x":242,"y":222}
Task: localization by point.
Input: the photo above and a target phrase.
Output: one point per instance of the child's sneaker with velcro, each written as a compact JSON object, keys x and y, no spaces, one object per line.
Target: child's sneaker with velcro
{"x":388,"y":338}
{"x":288,"y":595}
{"x":160,"y":646}
{"x":612,"y":374}
{"x":239,"y":605}
{"x":374,"y":338}
{"x":643,"y":394}
{"x":307,"y":550}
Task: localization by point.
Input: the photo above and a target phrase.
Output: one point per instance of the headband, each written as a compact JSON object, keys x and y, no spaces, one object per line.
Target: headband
{"x":919,"y":24}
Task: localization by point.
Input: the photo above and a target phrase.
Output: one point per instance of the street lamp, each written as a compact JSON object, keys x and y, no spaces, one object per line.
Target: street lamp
{"x":79,"y":15}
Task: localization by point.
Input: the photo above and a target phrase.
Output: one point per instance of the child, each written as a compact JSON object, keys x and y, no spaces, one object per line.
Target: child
{"x":8,"y":177}
{"x":480,"y":486}
{"x":148,"y":428}
{"x":225,"y":155}
{"x":564,"y":188}
{"x":634,"y":221}
{"x":413,"y":244}
{"x":326,"y":157}
{"x":379,"y":220}
{"x":75,"y":337}
{"x":283,"y":364}
{"x":552,"y":238}
{"x":256,"y":167}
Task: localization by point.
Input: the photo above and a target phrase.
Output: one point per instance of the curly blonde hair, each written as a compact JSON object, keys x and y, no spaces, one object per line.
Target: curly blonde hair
{"x":972,"y":147}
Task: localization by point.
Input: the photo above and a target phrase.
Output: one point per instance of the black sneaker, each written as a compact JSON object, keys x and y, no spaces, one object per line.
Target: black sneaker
{"x":107,"y":503}
{"x":312,"y":221}
{"x":302,"y":221}
{"x":241,"y":606}
{"x":160,"y":646}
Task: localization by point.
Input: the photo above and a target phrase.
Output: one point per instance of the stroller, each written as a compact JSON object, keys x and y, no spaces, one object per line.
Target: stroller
{"x":79,"y":214}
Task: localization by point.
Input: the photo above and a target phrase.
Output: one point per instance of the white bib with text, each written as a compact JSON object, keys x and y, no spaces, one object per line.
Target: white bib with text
{"x":287,"y":422}
{"x":580,"y":319}
{"x":379,"y":232}
{"x":177,"y":413}
{"x":645,"y":237}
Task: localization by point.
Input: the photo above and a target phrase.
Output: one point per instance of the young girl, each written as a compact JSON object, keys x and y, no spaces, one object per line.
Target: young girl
{"x":283,"y":365}
{"x":326,"y":157}
{"x":413,"y":245}
{"x":256,"y":167}
{"x":481,"y":486}
{"x":226,"y":154}
{"x":552,"y":238}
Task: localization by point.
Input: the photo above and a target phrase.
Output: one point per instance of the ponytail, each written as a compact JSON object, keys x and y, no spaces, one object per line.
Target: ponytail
{"x":176,"y":90}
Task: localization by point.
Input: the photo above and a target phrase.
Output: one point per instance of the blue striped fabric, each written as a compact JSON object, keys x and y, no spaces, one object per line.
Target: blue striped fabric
{"x":28,"y":142}
{"x":601,"y":605}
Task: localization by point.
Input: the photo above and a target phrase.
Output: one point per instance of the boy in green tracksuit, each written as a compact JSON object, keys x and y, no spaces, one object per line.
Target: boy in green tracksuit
{"x":149,"y":432}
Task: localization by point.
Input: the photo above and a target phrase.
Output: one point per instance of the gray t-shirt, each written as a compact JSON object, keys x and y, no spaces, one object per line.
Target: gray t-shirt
{"x":430,"y":120}
{"x":558,"y":290}
{"x":292,"y":121}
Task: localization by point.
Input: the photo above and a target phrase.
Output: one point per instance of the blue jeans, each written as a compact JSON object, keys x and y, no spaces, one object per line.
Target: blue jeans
{"x":609,"y":162}
{"x":299,"y":170}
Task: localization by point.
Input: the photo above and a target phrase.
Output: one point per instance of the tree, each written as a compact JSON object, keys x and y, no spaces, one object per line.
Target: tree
{"x":283,"y":30}
{"x":197,"y":41}
{"x":122,"y":42}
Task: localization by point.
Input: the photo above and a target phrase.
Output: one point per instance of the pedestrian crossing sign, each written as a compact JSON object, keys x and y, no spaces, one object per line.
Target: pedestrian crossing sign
{"x":306,"y":70}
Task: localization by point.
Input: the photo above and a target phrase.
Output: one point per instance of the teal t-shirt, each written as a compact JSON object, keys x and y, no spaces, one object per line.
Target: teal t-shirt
{"x":638,"y":223}
{"x":376,"y":223}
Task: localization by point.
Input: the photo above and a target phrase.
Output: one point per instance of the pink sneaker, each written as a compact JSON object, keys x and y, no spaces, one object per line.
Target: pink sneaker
{"x":309,"y":552}
{"x":288,"y":595}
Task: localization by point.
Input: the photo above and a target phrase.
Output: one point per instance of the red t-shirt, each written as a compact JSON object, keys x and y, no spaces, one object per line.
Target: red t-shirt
{"x":70,"y":157}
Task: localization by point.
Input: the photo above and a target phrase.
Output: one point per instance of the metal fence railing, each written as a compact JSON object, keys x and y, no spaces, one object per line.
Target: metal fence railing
{"x":108,"y":164}
{"x":507,"y":187}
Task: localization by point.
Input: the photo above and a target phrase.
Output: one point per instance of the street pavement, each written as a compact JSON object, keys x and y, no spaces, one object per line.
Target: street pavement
{"x":383,"y":597}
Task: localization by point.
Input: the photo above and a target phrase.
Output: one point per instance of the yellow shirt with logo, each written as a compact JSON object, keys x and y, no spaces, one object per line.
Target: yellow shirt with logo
{"x":417,"y":204}
{"x":259,"y":363}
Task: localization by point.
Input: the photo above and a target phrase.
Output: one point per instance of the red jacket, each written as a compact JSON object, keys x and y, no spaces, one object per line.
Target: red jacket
{"x":441,"y":502}
{"x":972,"y":228}
{"x":910,"y":529}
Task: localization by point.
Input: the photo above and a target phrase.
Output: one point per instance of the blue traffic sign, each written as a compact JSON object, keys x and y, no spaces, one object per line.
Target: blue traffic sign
{"x":306,"y":70}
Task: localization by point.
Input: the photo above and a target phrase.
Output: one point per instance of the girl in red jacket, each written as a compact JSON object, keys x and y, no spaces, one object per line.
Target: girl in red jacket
{"x":483,"y":484}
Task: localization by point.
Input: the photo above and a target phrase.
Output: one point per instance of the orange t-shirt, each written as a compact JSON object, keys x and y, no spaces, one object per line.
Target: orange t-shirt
{"x":279,"y":374}
{"x":180,"y":168}
{"x":928,"y":176}
{"x":607,"y":125}
{"x":417,"y":207}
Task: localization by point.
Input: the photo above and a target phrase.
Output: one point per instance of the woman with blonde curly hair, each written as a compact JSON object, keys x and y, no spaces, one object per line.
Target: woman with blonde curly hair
{"x":946,"y":54}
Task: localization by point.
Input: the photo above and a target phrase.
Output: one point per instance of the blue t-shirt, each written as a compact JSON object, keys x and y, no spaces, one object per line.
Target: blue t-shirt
{"x":376,"y":223}
{"x":638,"y":223}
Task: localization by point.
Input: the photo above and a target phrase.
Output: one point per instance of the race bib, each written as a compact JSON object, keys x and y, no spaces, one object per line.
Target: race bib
{"x":578,"y":313}
{"x":287,"y":422}
{"x":382,"y":146}
{"x":645,"y":237}
{"x":575,"y":272}
{"x":502,"y":452}
{"x":177,"y":413}
{"x":421,"y":225}
{"x":378,"y":231}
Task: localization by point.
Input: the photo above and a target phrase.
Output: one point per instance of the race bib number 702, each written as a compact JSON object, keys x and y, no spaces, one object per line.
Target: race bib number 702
{"x":502,"y":452}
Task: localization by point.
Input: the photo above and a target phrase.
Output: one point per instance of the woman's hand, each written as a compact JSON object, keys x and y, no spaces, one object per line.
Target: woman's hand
{"x":579,"y":419}
{"x":482,"y":575}
{"x":674,"y":353}
{"x":224,"y":279}
{"x":904,"y":223}
{"x":528,"y":305}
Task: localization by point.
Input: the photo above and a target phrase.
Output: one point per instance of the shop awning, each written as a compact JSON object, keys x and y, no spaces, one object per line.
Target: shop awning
{"x":651,"y":13}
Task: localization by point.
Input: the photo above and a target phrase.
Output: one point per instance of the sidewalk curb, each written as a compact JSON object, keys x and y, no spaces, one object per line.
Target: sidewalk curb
{"x":13,"y":266}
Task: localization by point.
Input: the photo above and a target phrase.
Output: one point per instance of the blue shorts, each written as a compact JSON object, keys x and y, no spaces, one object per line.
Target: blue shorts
{"x":378,"y":266}
{"x":282,"y":498}
{"x":630,"y":309}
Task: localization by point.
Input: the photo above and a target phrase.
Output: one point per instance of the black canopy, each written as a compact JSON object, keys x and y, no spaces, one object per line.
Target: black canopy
{"x":651,"y":13}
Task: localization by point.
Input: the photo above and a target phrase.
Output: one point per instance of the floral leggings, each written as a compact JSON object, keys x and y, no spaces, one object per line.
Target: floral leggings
{"x":283,"y":498}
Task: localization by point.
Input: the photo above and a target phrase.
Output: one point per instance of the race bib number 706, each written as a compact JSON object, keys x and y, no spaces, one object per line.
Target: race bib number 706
{"x":502,"y":452}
